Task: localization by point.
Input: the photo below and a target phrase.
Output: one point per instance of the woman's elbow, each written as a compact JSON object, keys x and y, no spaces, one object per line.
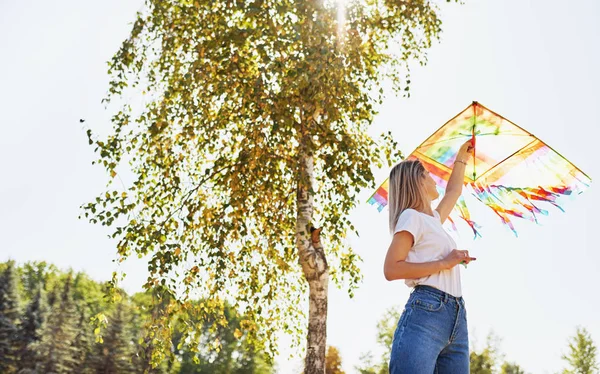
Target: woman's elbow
{"x":391,"y":274}
{"x":388,"y":276}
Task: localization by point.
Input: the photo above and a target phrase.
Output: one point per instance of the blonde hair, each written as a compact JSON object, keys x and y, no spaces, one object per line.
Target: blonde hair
{"x":406,"y":189}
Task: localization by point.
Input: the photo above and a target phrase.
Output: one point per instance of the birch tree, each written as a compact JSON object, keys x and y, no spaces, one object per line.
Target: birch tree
{"x":248,"y":151}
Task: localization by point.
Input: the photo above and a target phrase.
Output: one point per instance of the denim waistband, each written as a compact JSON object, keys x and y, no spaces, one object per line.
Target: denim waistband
{"x":444,"y":296}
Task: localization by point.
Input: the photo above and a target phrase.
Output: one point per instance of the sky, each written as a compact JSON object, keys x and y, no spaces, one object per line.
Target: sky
{"x":534,"y":62}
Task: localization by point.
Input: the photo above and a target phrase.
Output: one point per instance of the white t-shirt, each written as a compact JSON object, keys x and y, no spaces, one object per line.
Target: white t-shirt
{"x":431,"y":243}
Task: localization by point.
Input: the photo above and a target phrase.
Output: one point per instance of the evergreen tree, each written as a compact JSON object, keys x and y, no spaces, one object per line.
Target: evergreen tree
{"x":114,"y":354}
{"x":30,"y":330}
{"x":9,"y":317}
{"x":34,"y":275}
{"x":145,"y":311}
{"x":52,"y":298}
{"x":82,"y":344}
{"x":582,"y":356}
{"x":56,"y":352}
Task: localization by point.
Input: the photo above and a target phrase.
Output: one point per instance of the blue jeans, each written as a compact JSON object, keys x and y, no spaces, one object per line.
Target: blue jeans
{"x":432,"y":336}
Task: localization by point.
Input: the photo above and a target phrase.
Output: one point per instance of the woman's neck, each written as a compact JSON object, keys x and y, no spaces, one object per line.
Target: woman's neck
{"x":427,"y":209}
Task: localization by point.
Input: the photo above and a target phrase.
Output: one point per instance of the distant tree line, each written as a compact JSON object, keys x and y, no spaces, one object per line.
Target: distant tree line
{"x":58,"y":322}
{"x":55,"y":322}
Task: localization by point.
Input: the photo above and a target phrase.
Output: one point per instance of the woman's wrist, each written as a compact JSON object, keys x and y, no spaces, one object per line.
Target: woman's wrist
{"x":443,"y":264}
{"x":460,"y":162}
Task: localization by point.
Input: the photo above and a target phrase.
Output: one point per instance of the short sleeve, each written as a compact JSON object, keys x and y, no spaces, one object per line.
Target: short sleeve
{"x":410,"y":221}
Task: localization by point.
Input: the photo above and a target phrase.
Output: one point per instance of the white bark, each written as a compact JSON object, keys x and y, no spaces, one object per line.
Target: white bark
{"x":315,"y":269}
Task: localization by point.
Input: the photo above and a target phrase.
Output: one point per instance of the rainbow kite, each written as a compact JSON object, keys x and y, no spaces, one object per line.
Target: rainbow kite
{"x":511,"y":170}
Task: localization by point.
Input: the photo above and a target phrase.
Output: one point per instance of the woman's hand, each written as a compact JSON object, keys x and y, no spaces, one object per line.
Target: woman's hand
{"x":465,"y":151}
{"x":456,"y":257}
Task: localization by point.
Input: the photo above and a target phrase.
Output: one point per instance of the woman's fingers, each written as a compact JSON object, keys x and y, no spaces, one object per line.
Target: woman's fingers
{"x":465,"y":257}
{"x":465,"y":150}
{"x":458,"y":256}
{"x":468,"y":258}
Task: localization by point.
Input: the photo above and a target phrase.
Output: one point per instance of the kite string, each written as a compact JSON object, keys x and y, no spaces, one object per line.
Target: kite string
{"x":473,"y":140}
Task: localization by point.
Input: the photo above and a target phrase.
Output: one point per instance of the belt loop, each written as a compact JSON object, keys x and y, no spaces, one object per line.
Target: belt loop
{"x":445,"y":298}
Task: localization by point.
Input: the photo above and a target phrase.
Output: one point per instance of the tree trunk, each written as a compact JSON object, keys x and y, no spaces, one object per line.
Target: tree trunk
{"x":315,"y":269}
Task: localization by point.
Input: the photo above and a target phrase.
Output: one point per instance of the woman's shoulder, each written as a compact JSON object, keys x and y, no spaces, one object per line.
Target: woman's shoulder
{"x":410,"y":213}
{"x":410,"y":220}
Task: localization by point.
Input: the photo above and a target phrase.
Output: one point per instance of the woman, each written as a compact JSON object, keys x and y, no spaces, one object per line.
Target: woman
{"x":432,"y":335}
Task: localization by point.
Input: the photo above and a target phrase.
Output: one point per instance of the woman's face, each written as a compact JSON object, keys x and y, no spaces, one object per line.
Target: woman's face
{"x":430,"y":187}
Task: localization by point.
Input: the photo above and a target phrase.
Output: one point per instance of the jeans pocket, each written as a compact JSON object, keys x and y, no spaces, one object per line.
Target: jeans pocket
{"x":427,"y":301}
